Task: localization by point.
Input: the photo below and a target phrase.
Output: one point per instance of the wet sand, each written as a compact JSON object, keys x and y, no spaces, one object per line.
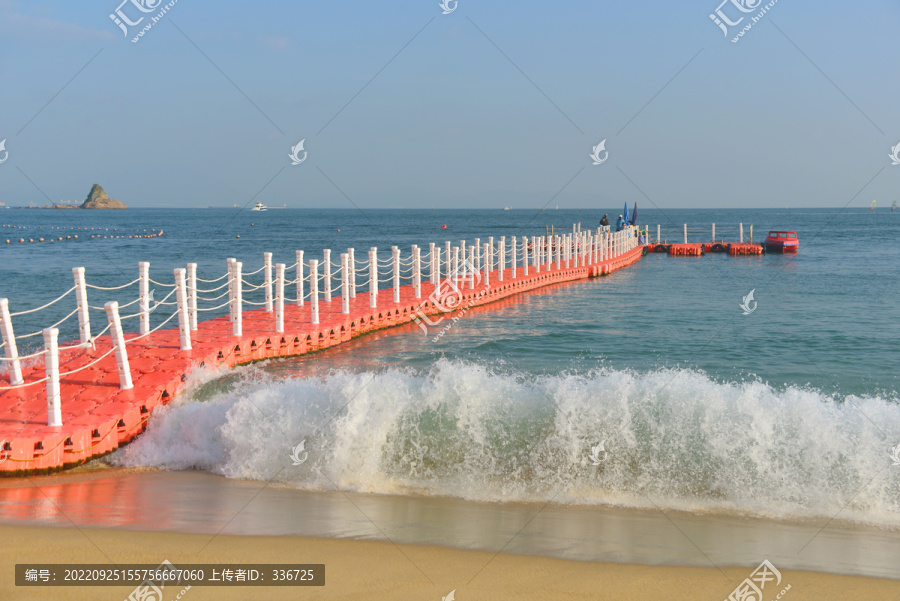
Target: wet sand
{"x":205,"y":504}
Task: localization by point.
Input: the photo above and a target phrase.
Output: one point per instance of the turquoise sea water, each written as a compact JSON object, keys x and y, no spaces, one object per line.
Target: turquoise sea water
{"x":789,"y":411}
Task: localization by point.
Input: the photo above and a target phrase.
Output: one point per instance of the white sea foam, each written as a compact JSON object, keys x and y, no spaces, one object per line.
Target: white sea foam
{"x":674,"y":439}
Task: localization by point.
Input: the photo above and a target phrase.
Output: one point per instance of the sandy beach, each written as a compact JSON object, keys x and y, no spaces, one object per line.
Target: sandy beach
{"x":384,"y":571}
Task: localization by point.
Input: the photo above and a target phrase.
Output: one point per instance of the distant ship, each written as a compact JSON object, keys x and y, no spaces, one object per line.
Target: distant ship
{"x":894,"y":206}
{"x":508,"y":208}
{"x":259,"y":207}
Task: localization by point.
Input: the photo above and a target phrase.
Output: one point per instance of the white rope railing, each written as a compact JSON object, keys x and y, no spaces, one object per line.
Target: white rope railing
{"x":212,"y":281}
{"x":139,"y":336}
{"x":113,"y":287}
{"x":94,"y":362}
{"x":215,"y":298}
{"x":24,"y":384}
{"x":26,"y":312}
{"x":23,"y":357}
{"x":255,"y":272}
{"x":40,"y":332}
{"x":225,"y":304}
{"x":160,"y":284}
{"x":211,"y":289}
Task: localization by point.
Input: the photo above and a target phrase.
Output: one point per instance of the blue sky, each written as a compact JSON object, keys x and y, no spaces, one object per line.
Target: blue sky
{"x":493,"y":104}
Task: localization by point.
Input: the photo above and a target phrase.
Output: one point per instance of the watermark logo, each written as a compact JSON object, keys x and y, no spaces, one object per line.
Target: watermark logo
{"x":751,"y":589}
{"x":739,"y":9}
{"x":150,"y":300}
{"x":139,"y":9}
{"x":746,"y":304}
{"x":601,"y":147}
{"x":447,"y":295}
{"x":450,"y":596}
{"x":895,"y":454}
{"x":895,"y":150}
{"x":448,"y":6}
{"x":6,"y":152}
{"x":151,"y":588}
{"x":295,"y":153}
{"x":295,"y":453}
{"x":595,"y":453}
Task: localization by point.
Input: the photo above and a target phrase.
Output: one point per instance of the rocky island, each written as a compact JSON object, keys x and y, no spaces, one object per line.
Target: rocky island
{"x":97,"y":199}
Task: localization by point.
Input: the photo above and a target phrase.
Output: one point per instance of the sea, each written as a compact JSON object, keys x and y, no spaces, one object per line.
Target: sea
{"x":660,"y":388}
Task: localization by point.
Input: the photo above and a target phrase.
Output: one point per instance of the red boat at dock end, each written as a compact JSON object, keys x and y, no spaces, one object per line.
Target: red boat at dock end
{"x":782,"y":241}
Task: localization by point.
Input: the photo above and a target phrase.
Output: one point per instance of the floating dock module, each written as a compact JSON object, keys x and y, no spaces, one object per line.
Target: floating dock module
{"x":103,"y":389}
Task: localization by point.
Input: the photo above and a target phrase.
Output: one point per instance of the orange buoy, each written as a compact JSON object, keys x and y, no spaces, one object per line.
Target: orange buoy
{"x":443,"y":227}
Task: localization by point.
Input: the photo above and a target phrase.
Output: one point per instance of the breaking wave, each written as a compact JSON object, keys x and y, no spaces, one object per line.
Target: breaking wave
{"x":672,"y":438}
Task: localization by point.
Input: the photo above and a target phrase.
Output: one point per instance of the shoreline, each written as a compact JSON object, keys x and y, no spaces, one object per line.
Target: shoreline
{"x":378,"y":571}
{"x":147,"y":501}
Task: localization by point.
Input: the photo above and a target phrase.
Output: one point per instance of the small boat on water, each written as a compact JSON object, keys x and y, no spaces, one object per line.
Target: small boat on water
{"x":259,"y":207}
{"x":782,"y":241}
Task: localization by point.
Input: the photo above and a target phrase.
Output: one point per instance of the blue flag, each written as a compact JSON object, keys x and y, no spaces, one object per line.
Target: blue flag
{"x":634,"y":215}
{"x":625,"y":214}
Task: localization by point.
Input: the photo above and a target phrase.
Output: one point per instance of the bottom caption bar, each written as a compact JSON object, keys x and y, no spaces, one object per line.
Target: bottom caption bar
{"x":166,"y":574}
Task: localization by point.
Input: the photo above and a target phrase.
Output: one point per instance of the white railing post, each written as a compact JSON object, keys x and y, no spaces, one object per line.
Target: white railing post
{"x":192,"y":294}
{"x":487,"y":266}
{"x":267,"y":271}
{"x":326,"y":273}
{"x":502,"y":252}
{"x":12,"y":353}
{"x":470,"y":267}
{"x":454,"y":273}
{"x":742,"y":231}
{"x":714,"y":232}
{"x":237,"y":328}
{"x":300,"y":292}
{"x":229,"y":263}
{"x":314,"y":291}
{"x":118,"y":339}
{"x":536,"y":253}
{"x":184,"y":320}
{"x":351,"y":259}
{"x":447,"y":253}
{"x":144,"y":292}
{"x":489,"y":255}
{"x":345,"y":283}
{"x":51,"y":371}
{"x":512,"y":247}
{"x":525,"y":255}
{"x":279,"y":297}
{"x":81,"y":302}
{"x":476,"y":258}
{"x":417,"y":271}
{"x":434,"y":263}
{"x":395,"y":259}
{"x":373,"y":277}
{"x":576,"y":249}
{"x":685,"y":233}
{"x":558,"y":251}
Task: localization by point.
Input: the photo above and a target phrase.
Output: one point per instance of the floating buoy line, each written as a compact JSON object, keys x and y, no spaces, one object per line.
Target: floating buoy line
{"x":88,"y":233}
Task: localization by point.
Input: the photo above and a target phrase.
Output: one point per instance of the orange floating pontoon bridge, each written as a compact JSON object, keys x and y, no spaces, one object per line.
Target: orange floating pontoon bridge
{"x":67,"y":404}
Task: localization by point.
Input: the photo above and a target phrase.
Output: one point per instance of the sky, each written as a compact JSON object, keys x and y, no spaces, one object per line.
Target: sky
{"x":493,"y":104}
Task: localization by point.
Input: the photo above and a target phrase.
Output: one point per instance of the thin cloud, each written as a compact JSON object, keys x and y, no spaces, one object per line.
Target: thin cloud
{"x":276,"y":42}
{"x":41,"y":30}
